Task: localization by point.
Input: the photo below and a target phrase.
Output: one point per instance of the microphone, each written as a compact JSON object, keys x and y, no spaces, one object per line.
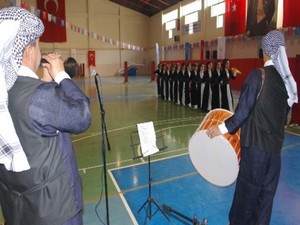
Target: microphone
{"x":94,"y":73}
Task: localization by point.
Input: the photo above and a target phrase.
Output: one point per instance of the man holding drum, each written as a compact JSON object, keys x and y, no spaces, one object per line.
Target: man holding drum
{"x":266,"y":97}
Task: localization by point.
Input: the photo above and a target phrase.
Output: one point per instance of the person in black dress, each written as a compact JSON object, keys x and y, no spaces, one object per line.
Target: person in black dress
{"x":207,"y":92}
{"x":226,"y":75}
{"x":215,"y":86}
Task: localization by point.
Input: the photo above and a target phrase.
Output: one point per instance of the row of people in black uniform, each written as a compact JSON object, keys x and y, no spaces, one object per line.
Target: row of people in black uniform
{"x":200,"y":86}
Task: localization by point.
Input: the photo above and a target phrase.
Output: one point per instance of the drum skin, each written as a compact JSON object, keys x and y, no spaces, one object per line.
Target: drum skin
{"x":216,"y":159}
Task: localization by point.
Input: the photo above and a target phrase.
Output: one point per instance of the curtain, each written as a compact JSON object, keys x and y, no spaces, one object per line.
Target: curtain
{"x":53,"y":16}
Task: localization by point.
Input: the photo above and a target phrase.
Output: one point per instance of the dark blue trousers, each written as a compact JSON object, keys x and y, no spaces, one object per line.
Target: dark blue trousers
{"x":255,"y":187}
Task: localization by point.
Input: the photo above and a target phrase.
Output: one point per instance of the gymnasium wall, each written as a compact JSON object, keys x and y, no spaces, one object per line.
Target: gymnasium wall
{"x":120,"y":24}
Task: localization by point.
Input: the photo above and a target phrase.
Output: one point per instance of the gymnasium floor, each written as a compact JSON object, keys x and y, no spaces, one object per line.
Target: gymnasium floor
{"x":175,"y":182}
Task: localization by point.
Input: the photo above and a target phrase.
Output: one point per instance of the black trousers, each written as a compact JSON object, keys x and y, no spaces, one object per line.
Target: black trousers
{"x":255,"y":188}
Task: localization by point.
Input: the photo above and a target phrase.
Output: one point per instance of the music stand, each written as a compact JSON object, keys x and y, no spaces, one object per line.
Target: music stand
{"x":147,"y":138}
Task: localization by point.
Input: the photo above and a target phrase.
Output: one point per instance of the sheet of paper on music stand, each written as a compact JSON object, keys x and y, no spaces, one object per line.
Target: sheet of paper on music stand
{"x":147,"y":138}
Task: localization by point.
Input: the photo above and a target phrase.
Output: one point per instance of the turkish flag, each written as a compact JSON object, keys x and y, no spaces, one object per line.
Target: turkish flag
{"x":235,"y":17}
{"x":53,"y":16}
{"x":291,"y":16}
{"x":91,"y":58}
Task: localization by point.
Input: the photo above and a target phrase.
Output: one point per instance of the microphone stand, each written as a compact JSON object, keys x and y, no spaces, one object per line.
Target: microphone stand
{"x":104,"y":134}
{"x":104,"y":130}
{"x":193,"y":220}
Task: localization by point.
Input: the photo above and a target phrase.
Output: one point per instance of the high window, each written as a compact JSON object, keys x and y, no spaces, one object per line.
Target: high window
{"x":217,"y":9}
{"x":169,"y":19}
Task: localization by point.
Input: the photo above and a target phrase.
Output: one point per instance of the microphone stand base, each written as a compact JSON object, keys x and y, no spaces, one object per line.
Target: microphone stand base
{"x":193,"y":220}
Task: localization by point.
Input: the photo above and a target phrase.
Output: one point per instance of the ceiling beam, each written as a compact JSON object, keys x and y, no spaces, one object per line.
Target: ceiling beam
{"x":148,"y":3}
{"x":163,"y":2}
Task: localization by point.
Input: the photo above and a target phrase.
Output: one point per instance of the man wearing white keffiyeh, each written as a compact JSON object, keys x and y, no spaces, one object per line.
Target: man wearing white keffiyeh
{"x":42,"y":115}
{"x":267,"y":95}
{"x":274,"y":46}
{"x":18,"y":30}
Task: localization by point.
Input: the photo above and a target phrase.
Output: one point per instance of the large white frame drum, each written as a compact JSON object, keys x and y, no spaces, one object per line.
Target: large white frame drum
{"x":216,"y":159}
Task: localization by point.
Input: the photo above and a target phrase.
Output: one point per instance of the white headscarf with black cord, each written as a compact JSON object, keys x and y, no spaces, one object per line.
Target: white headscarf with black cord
{"x":18,"y":28}
{"x":273,"y":45}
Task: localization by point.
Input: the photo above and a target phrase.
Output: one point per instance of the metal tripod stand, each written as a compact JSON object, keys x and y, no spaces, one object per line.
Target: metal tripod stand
{"x":149,"y":201}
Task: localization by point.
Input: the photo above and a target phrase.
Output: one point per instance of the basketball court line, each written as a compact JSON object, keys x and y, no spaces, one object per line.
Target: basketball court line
{"x":121,"y":193}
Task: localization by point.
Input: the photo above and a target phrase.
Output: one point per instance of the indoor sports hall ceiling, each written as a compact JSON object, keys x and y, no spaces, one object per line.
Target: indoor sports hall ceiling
{"x":147,"y":7}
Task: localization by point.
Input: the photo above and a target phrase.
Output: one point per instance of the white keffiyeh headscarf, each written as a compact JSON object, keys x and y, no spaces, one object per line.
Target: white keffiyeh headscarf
{"x":18,"y":28}
{"x":273,"y":45}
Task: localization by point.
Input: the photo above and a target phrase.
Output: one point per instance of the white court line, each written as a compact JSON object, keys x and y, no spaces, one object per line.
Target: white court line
{"x":167,"y":152}
{"x":132,"y":217}
{"x":128,"y":160}
{"x":134,"y":126}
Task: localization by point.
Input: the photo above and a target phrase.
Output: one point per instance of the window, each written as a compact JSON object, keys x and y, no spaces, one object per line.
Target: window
{"x":170,"y":34}
{"x":191,"y":18}
{"x":209,"y":3}
{"x":190,"y":8}
{"x":190,"y":12}
{"x":220,"y":21}
{"x":170,"y":16}
{"x":217,"y":10}
{"x":171,"y":25}
{"x":169,"y":19}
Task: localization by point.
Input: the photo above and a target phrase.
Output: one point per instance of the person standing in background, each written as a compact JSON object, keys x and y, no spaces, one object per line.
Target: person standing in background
{"x":176,"y":82}
{"x":44,"y":113}
{"x":215,"y":86}
{"x":266,"y":97}
{"x":181,"y":85}
{"x":172,"y":82}
{"x":207,"y":92}
{"x":226,"y":93}
{"x":162,"y":79}
{"x":201,"y":84}
{"x":167,"y":77}
{"x":187,"y":85}
{"x":157,"y":73}
{"x":194,"y":86}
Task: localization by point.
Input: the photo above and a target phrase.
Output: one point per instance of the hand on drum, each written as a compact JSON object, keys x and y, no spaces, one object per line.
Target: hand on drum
{"x":213,"y":131}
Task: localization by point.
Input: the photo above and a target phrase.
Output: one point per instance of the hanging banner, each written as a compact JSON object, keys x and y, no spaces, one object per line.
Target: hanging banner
{"x":157,"y":53}
{"x":188,"y":51}
{"x":91,"y":58}
{"x":221,"y":48}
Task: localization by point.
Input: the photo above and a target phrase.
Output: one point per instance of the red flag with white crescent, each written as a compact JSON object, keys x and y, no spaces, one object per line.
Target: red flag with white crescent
{"x":53,"y":16}
{"x":91,"y":58}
